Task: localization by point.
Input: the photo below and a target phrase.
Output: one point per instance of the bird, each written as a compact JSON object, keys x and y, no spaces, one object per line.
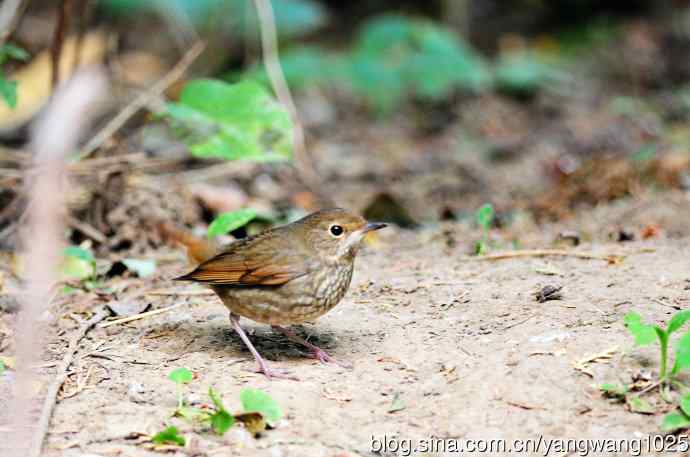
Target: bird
{"x":286,"y":275}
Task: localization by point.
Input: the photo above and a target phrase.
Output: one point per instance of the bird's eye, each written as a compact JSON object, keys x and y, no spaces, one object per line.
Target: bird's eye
{"x":336,"y":230}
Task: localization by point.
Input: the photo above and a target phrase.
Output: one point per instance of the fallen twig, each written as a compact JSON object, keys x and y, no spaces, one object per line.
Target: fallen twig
{"x":51,"y":396}
{"x":140,"y":316}
{"x":142,"y":100}
{"x":610,"y":258}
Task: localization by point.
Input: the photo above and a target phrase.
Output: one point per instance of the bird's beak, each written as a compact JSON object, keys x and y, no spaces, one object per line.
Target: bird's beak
{"x":371,"y":226}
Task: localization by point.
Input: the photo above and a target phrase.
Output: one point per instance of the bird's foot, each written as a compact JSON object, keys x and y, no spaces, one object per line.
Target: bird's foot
{"x":323,"y":357}
{"x":274,"y":373}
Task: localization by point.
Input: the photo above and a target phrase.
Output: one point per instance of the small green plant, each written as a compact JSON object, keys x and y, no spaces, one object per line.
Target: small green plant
{"x":8,"y":88}
{"x":221,"y":420}
{"x":169,"y":436}
{"x":646,"y":334}
{"x":231,"y":121}
{"x":484,"y":217}
{"x":259,"y":407}
{"x":227,"y":222}
{"x":180,"y":376}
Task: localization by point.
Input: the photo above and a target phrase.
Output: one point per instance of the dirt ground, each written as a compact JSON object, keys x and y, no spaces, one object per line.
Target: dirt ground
{"x":443,"y":345}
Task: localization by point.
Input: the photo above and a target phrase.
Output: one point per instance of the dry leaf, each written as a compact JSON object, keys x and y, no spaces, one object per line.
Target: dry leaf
{"x":253,"y":422}
{"x":34,"y":80}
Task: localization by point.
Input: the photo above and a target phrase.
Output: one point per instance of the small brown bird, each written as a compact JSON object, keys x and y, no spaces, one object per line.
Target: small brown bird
{"x":287,"y":275}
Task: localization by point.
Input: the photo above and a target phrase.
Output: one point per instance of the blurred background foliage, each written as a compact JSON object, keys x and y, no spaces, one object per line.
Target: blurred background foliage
{"x":413,"y":111}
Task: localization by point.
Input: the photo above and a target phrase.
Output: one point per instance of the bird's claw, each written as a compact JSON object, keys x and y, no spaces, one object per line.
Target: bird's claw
{"x":274,"y":373}
{"x":323,"y":357}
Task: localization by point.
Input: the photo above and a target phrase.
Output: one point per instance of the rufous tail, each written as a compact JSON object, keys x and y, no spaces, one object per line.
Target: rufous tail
{"x":198,"y":249}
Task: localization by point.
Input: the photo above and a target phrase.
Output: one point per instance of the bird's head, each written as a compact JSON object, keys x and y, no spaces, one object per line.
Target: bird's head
{"x":335,"y":234}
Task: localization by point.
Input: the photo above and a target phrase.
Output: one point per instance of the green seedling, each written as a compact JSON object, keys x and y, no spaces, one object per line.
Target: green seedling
{"x":169,"y":436}
{"x":484,"y":217}
{"x":180,"y":376}
{"x":221,"y":419}
{"x":645,"y":334}
{"x":259,"y":409}
{"x":8,"y":87}
{"x":231,"y":121}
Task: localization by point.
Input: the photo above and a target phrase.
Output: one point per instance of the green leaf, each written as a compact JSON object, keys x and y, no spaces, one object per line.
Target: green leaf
{"x":77,"y":263}
{"x":484,"y":216}
{"x":682,"y":361}
{"x":614,"y":390}
{"x":231,"y":121}
{"x":644,"y":334}
{"x":221,"y":421}
{"x":678,"y":321}
{"x":674,"y":421}
{"x":169,"y":436}
{"x":142,"y":267}
{"x":255,"y":400}
{"x":227,"y":222}
{"x":8,"y":91}
{"x":638,"y":405}
{"x":2,"y":367}
{"x":685,"y":404}
{"x":13,"y":52}
{"x":181,"y":375}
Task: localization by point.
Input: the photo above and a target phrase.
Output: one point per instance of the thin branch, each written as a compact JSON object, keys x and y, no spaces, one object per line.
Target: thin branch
{"x":269,"y":44}
{"x":136,"y":317}
{"x":142,"y":100}
{"x":61,"y":26}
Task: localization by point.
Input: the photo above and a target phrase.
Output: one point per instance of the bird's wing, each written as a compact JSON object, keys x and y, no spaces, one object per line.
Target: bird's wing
{"x":240,"y":265}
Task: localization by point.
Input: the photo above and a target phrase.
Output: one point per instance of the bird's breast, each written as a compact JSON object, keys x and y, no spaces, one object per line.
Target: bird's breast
{"x":302,"y":299}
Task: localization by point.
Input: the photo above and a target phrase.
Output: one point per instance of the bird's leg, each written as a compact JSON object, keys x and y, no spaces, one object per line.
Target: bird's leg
{"x":263,"y":367}
{"x":317,"y":352}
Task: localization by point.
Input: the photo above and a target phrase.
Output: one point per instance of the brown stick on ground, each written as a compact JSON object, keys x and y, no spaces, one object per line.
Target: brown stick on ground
{"x":610,"y":258}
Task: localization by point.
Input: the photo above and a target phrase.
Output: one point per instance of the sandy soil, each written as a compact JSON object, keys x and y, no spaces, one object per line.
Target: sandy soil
{"x":459,"y":347}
